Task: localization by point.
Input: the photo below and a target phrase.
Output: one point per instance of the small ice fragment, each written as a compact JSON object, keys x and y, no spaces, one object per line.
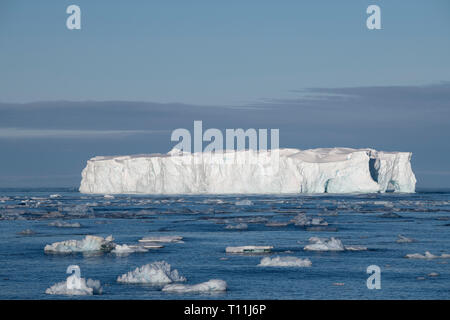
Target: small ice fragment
{"x":249,"y":249}
{"x":213,"y":285}
{"x":126,"y":249}
{"x":54,"y":196}
{"x":276,"y":224}
{"x":324,"y":244}
{"x":167,"y":239}
{"x":89,"y":243}
{"x":83,"y":288}
{"x":155,"y":273}
{"x":26,"y":232}
{"x":108,"y":196}
{"x":403,"y":239}
{"x":427,"y":255}
{"x":244,"y":203}
{"x":239,"y":226}
{"x":433,"y":274}
{"x":63,"y":224}
{"x":355,"y":248}
{"x":284,"y":262}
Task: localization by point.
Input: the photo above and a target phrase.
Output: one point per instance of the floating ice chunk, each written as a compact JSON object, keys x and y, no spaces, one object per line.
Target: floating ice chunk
{"x":54,"y":196}
{"x":324,"y":244}
{"x":244,"y":203}
{"x":239,"y":226}
{"x":403,"y":239}
{"x":127,"y":249}
{"x":26,"y":232}
{"x":108,"y":196}
{"x":211,"y":286}
{"x":302,"y":220}
{"x":84,"y":287}
{"x":324,"y":170}
{"x":433,"y":274}
{"x":89,"y":243}
{"x":427,"y":255}
{"x":249,"y":249}
{"x":284,"y":262}
{"x":156,"y":273}
{"x":355,"y":248}
{"x":63,"y":224}
{"x":276,"y":224}
{"x":167,"y":239}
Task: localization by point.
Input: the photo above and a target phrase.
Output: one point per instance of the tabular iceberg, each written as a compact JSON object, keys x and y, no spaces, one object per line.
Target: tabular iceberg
{"x":325,"y":170}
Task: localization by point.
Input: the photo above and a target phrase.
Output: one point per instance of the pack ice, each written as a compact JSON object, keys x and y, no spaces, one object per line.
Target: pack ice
{"x":325,"y":170}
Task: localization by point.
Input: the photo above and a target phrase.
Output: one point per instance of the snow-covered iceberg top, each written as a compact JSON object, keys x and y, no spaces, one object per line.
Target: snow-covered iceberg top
{"x":325,"y":170}
{"x":88,"y":244}
{"x":332,"y":244}
{"x":156,"y":273}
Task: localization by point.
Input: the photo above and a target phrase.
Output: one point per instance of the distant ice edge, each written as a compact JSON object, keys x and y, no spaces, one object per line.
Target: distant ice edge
{"x":324,"y":170}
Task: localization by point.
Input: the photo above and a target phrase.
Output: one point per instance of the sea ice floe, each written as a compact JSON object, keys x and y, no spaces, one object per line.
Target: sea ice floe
{"x":63,"y":224}
{"x":427,"y":255}
{"x":244,"y":203}
{"x":239,"y":226}
{"x":284,"y":262}
{"x":125,"y":249}
{"x":54,"y":196}
{"x":156,"y":273}
{"x":26,"y":232}
{"x":88,"y":244}
{"x":302,"y":220}
{"x":84,"y":287}
{"x":276,"y":224}
{"x":403,"y":239}
{"x":324,"y":244}
{"x":249,"y":249}
{"x":167,"y":239}
{"x":332,"y":244}
{"x":211,"y":286}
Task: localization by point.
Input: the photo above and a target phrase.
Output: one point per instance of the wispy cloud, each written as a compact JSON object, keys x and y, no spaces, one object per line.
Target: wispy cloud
{"x":17,"y":133}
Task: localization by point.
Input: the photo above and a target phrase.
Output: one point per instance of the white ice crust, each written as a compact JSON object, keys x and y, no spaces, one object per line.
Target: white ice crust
{"x":156,"y":273}
{"x":88,"y":244}
{"x":284,"y":262}
{"x":325,"y":170}
{"x":214,"y":285}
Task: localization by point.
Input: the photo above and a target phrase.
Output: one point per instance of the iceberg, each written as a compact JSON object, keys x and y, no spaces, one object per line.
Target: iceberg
{"x":324,"y":170}
{"x":284,"y":262}
{"x":213,"y":285}
{"x":88,"y":244}
{"x":156,"y":273}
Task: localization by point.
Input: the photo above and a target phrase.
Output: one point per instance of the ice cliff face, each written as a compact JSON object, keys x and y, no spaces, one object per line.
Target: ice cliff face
{"x":330,"y":170}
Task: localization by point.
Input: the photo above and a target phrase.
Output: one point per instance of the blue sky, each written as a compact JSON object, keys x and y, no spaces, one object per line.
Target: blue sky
{"x":137,"y":70}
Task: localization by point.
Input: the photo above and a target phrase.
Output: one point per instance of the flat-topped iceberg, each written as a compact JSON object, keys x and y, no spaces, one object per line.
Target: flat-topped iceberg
{"x":326,"y":170}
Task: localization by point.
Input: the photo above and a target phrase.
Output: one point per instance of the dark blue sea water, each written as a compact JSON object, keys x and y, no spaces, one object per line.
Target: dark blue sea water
{"x":371,"y":220}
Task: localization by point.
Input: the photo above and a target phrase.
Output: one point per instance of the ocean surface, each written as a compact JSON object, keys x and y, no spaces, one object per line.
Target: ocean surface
{"x":370,"y":220}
